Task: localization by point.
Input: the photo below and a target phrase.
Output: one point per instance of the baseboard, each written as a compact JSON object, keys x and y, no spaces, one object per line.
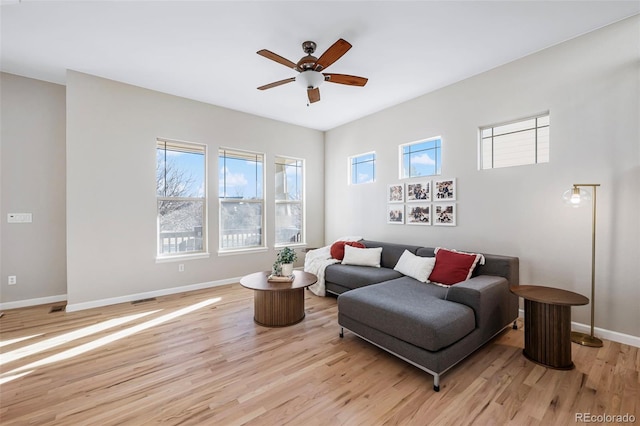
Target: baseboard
{"x":73,"y":307}
{"x":33,"y":302}
{"x":602,"y":333}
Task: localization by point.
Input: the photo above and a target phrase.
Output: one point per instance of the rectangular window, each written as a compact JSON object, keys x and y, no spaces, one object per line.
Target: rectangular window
{"x":289,"y":201}
{"x":362,"y":168}
{"x":181,"y":197}
{"x":241,"y":189}
{"x":422,"y":158}
{"x":516,"y":143}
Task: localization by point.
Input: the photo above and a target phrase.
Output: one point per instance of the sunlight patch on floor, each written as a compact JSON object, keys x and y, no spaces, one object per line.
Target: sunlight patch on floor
{"x":18,"y":339}
{"x":67,"y":337}
{"x":89,"y":346}
{"x":13,"y":377}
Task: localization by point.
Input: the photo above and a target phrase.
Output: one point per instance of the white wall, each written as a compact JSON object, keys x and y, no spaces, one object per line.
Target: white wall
{"x":111,"y":203}
{"x":590,"y":85}
{"x":32,"y":181}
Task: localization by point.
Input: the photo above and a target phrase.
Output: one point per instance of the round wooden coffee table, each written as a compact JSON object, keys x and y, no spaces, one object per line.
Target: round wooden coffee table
{"x":547,"y":324}
{"x":278,"y":304}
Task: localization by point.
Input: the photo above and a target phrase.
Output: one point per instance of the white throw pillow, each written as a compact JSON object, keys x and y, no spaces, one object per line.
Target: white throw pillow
{"x":417,"y":267}
{"x":362,"y":256}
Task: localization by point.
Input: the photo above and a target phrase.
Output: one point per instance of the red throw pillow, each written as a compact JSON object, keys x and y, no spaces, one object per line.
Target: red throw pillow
{"x":453,"y":267}
{"x":337,"y":248}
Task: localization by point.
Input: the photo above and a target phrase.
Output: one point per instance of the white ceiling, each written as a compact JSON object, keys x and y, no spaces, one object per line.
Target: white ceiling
{"x":205,"y":50}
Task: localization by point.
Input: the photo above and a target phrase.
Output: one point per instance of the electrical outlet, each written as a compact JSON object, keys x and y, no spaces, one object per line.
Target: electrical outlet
{"x":181,"y":267}
{"x":13,"y":280}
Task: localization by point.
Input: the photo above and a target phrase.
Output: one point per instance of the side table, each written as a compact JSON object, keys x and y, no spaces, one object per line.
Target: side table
{"x":278,"y":304}
{"x":547,"y":324}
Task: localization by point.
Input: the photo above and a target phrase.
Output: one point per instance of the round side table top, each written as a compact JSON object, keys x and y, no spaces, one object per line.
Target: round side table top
{"x":550,"y":295}
{"x":259,"y":281}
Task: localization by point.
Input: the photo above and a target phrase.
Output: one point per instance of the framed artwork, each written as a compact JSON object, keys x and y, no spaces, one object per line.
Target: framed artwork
{"x":444,"y":190}
{"x":444,"y":214}
{"x":395,"y":193}
{"x":419,"y":191}
{"x":419,"y":214}
{"x":395,"y":214}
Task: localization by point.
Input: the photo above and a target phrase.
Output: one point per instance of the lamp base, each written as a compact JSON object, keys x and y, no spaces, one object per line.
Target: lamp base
{"x":585,"y":339}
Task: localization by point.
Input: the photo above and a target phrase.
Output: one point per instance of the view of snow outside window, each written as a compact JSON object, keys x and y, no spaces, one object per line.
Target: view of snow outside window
{"x":289,"y":201}
{"x":421,"y":158}
{"x":241,"y":188}
{"x":181,"y":194}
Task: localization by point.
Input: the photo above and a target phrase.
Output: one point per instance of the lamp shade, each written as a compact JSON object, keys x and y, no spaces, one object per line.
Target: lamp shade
{"x":310,"y":79}
{"x":576,"y":197}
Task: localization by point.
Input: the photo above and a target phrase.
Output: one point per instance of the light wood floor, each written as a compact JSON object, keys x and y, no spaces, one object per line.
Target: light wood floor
{"x":199,"y":359}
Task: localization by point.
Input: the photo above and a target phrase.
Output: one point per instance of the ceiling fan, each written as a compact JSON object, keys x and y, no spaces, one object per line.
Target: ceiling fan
{"x":310,"y":68}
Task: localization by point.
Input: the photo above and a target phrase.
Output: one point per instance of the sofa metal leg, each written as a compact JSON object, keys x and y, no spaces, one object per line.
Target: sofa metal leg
{"x":341,"y":332}
{"x":436,"y":383}
{"x":515,"y":325}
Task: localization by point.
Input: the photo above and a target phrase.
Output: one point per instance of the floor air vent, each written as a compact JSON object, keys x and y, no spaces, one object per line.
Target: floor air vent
{"x":59,"y":308}
{"x":151,"y":299}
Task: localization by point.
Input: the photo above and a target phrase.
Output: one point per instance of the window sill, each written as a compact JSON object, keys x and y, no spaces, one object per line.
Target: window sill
{"x":292,"y":245}
{"x":181,"y":257}
{"x":231,"y":252}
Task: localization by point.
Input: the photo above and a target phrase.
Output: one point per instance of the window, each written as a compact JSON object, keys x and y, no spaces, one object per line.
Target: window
{"x":241,"y":188}
{"x":421,"y":158}
{"x":516,"y":143}
{"x":362,"y":168}
{"x":289,"y":201}
{"x":181,"y":193}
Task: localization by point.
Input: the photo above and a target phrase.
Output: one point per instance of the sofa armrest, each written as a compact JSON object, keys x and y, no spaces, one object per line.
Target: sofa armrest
{"x":489,"y":297}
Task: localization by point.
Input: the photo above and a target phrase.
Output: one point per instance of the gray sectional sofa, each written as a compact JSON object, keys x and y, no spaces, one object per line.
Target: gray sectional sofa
{"x":429,"y":326}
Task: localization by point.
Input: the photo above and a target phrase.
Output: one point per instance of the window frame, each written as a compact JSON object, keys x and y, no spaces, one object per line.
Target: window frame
{"x":300,"y":202}
{"x":350,"y":165}
{"x":536,"y":140}
{"x":438,"y":165}
{"x":256,"y":201}
{"x":187,"y":147}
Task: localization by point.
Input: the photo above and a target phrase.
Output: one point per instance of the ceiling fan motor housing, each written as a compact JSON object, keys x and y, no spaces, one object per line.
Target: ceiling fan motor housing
{"x":306,"y":63}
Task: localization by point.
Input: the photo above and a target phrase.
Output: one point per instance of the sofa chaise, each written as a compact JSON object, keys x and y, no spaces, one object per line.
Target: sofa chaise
{"x":430,"y":326}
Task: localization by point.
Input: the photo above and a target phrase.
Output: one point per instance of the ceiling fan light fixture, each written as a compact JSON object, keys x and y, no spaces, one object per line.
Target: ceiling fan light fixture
{"x":310,"y":79}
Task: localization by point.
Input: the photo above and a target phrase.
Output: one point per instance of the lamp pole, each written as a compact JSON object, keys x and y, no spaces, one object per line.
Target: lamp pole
{"x":577,"y":337}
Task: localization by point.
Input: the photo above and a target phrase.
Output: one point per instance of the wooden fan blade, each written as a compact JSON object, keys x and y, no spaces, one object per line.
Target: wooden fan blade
{"x":351,"y":80}
{"x":314,"y":95}
{"x":277,"y":83}
{"x":332,"y":54}
{"x":275,"y":57}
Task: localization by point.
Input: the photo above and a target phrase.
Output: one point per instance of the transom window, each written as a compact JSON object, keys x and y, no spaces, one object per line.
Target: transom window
{"x":181,"y":197}
{"x":422,"y":158}
{"x":241,"y":189}
{"x":362,"y":168}
{"x":516,"y":143}
{"x":289,"y":192}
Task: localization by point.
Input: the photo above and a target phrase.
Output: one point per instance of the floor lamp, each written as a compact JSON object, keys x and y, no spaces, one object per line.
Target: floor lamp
{"x":577,"y":197}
